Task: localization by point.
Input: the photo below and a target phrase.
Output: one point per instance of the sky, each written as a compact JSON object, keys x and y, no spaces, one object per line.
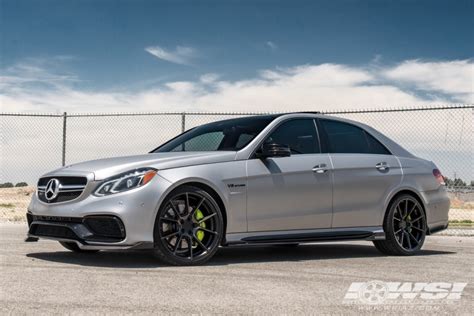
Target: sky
{"x":83,"y":56}
{"x":231,"y":56}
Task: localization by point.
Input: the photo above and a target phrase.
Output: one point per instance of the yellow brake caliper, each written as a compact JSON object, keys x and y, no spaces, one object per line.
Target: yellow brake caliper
{"x":198,"y":215}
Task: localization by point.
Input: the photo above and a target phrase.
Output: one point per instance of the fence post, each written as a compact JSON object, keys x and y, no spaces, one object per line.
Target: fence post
{"x":64,"y":138}
{"x":183,"y":122}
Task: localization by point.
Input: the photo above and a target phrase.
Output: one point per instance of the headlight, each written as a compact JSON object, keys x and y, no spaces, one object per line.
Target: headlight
{"x":126,"y":181}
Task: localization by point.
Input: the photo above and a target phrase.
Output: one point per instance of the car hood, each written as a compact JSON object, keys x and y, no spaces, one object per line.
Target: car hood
{"x":104,"y":168}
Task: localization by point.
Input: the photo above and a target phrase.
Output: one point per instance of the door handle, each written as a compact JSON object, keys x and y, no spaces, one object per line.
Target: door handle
{"x":382,"y":166}
{"x":320,"y":168}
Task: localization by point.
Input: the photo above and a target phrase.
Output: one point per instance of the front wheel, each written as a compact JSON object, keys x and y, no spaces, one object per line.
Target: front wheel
{"x":188,"y":228}
{"x":404,"y":226}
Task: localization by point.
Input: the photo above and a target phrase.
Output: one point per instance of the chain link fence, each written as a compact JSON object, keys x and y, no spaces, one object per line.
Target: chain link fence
{"x":32,"y":144}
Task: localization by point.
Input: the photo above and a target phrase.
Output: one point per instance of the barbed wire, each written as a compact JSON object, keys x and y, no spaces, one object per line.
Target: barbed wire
{"x":344,"y":111}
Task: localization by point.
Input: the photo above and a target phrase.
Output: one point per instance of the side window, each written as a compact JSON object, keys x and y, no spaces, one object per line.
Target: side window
{"x":347,"y":138}
{"x":299,"y":134}
{"x":243,"y":140}
{"x":375,"y":146}
{"x":204,"y":142}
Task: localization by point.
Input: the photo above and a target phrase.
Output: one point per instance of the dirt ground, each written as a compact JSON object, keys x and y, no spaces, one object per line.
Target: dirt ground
{"x":14,"y":202}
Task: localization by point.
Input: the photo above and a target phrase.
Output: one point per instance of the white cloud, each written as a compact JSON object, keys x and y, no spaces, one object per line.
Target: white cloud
{"x":272,"y":45}
{"x":451,"y":77}
{"x":209,"y":78}
{"x":181,"y":55}
{"x":304,"y":87}
{"x":37,"y":71}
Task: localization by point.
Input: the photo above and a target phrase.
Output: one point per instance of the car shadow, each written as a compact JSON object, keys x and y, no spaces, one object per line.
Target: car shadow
{"x":224,"y":256}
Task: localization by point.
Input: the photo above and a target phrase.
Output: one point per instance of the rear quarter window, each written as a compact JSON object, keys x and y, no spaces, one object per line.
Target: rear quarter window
{"x":347,"y":138}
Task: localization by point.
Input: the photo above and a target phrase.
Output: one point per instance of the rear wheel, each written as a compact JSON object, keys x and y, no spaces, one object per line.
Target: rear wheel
{"x":188,"y":228}
{"x":404,"y":226}
{"x":75,"y":248}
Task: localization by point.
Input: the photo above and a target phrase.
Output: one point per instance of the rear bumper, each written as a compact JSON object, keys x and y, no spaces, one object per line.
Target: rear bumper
{"x":437,"y":206}
{"x":437,"y":228}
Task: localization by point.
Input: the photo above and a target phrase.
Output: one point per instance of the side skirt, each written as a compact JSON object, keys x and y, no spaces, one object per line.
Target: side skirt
{"x":303,"y":236}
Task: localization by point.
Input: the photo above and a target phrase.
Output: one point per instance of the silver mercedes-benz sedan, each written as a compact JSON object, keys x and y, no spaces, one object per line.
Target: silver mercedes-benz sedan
{"x":277,"y":179}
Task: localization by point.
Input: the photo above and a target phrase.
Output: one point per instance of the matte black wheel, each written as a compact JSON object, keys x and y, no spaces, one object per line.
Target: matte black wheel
{"x":188,"y":228}
{"x":75,"y":248}
{"x":404,"y":226}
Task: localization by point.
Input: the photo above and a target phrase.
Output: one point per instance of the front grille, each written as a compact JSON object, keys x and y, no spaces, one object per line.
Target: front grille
{"x":55,"y":219}
{"x":68,"y":189}
{"x":53,"y":231}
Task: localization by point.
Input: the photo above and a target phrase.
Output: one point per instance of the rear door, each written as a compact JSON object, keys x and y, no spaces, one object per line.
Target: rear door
{"x":288,"y":193}
{"x":364,"y":172}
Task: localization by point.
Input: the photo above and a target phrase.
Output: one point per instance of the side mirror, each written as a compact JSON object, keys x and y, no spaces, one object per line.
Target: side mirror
{"x":275,"y":150}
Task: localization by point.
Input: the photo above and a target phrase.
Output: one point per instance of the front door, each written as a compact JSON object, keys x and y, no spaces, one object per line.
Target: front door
{"x":290,"y":193}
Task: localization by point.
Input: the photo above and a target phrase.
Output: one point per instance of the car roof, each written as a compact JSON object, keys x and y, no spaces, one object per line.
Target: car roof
{"x":394,"y":147}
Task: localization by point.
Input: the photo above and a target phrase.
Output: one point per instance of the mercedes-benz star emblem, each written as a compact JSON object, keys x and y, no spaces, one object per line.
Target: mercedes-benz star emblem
{"x":52,"y":189}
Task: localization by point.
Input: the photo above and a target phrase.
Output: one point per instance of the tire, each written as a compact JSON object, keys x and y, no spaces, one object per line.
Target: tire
{"x":75,"y":248}
{"x":189,"y":227}
{"x":404,"y":227}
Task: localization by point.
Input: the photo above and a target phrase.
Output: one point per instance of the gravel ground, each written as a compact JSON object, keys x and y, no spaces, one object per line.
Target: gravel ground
{"x":14,"y":202}
{"x":44,"y":278}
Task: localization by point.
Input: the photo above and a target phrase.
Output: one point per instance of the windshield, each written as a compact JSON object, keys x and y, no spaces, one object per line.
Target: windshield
{"x":229,"y":135}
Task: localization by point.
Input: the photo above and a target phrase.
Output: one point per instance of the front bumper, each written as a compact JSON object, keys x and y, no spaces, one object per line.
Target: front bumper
{"x":119,"y":221}
{"x":89,"y":229}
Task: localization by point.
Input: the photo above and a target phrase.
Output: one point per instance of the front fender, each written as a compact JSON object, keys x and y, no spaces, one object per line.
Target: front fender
{"x":219,"y":177}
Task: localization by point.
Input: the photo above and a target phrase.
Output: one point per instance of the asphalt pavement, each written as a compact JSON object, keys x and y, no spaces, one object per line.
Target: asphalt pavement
{"x":44,"y":278}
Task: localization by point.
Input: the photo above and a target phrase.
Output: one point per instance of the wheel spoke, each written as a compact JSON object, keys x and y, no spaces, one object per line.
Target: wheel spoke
{"x":398,"y":231}
{"x":417,"y":219}
{"x":408,"y":240}
{"x":419,"y":229}
{"x":412,"y":209}
{"x":399,"y":210}
{"x":406,"y":208}
{"x":410,"y":235}
{"x":207,"y":230}
{"x":397,"y":219}
{"x":178,"y":243}
{"x":402,"y":237}
{"x":198,"y":206}
{"x":170,"y":235}
{"x":186,"y":210}
{"x":175,"y":210}
{"x":169,"y":220}
{"x":201,"y":244}
{"x":190,"y":246}
{"x":206,"y":218}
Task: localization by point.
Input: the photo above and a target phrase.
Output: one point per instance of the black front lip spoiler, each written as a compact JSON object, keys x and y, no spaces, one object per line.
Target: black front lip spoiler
{"x":79,"y":229}
{"x":75,"y":229}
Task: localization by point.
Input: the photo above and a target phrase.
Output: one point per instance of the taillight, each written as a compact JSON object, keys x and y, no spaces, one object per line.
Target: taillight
{"x":439,"y":177}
